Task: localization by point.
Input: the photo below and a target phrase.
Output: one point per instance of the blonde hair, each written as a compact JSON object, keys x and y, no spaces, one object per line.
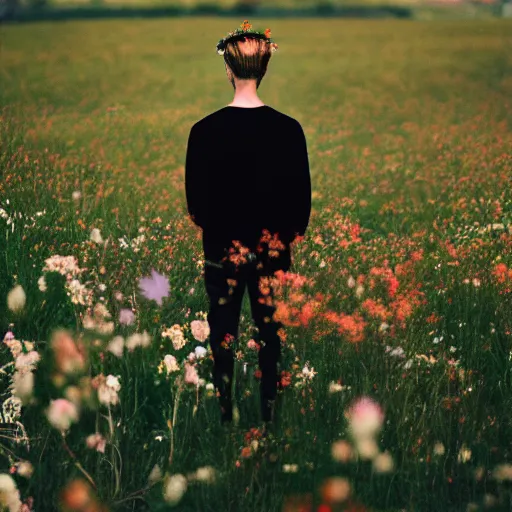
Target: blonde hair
{"x":248,"y":57}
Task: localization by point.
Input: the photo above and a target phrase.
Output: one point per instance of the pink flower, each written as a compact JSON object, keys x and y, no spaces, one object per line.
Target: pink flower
{"x":155,"y":287}
{"x":253,"y":345}
{"x":365,"y":416}
{"x":61,"y":413}
{"x":97,"y":442}
{"x":126,"y":316}
{"x":200,"y":329}
{"x":191,"y":376}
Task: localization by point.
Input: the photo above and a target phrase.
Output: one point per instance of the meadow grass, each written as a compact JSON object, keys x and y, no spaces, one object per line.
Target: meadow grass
{"x":408,"y":260}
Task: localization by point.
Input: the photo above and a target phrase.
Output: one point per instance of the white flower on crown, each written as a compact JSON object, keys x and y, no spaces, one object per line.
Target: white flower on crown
{"x":220,"y":52}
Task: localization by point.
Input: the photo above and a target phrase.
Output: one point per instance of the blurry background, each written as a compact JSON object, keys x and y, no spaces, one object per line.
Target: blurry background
{"x":419,"y":9}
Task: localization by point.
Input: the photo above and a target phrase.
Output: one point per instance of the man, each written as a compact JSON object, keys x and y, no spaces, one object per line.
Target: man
{"x":248,"y":187}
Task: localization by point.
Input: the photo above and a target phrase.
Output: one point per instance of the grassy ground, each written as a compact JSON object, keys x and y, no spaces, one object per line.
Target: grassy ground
{"x":409,"y":130}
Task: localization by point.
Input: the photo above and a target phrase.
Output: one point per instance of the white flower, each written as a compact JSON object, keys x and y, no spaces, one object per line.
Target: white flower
{"x":367,"y":447}
{"x":138,"y":340}
{"x":107,"y":389}
{"x":41,"y":283}
{"x":439,"y":449}
{"x":16,"y":299}
{"x":308,"y":373}
{"x":9,"y":494}
{"x":174,"y":488}
{"x":25,"y":469}
{"x":200,"y":352}
{"x":205,"y":474}
{"x":76,"y":195}
{"x":383,"y":463}
{"x":464,"y":454}
{"x":116,"y":346}
{"x":22,"y":385}
{"x":155,"y":475}
{"x":359,"y":291}
{"x":351,"y":282}
{"x":334,"y":387}
{"x":27,"y":362}
{"x":220,"y":52}
{"x":171,"y":363}
{"x":96,"y":236}
{"x":290,"y":468}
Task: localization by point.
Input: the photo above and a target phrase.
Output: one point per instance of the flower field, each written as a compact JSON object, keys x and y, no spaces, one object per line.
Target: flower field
{"x":396,"y":384}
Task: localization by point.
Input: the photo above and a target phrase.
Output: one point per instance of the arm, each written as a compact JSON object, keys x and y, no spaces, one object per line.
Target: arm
{"x":195,"y":180}
{"x":298,"y":203}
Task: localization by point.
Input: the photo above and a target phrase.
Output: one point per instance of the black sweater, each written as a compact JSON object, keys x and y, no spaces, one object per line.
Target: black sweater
{"x":247,"y":169}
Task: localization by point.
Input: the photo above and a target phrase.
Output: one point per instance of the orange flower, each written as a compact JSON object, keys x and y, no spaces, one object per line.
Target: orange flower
{"x":246,"y":452}
{"x":267,"y":33}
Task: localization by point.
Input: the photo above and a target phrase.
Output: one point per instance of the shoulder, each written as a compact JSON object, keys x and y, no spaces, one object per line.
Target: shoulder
{"x":208,"y":121}
{"x":286,"y":119}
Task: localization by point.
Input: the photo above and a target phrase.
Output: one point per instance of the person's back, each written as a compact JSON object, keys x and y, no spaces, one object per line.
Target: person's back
{"x":248,"y":187}
{"x":252,"y":171}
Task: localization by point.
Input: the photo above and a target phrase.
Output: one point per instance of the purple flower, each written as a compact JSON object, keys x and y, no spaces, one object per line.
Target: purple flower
{"x":126,"y":316}
{"x":155,"y":287}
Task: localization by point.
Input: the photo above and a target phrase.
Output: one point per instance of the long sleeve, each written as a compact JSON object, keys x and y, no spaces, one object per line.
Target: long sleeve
{"x":298,"y":189}
{"x":195,"y":184}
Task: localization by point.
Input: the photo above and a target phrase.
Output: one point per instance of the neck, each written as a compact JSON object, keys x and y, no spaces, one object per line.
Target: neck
{"x":245,"y":94}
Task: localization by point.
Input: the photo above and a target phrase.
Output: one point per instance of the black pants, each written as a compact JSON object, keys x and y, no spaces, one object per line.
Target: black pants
{"x":225,"y":286}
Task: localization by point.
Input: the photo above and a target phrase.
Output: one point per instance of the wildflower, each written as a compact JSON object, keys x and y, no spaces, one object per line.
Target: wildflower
{"x":308,"y":373}
{"x":137,"y":340}
{"x":365,"y":417}
{"x":108,"y":388}
{"x":78,"y":292}
{"x":22,"y":385}
{"x":335,"y":489}
{"x":16,"y":299}
{"x":41,"y":283}
{"x":61,"y":413}
{"x":76,"y":195}
{"x":351,"y":282}
{"x":155,"y":475}
{"x":174,"y":488}
{"x":205,"y":474}
{"x":9,"y":493}
{"x":290,"y":468}
{"x":69,"y":357}
{"x":27,"y":362}
{"x":171,"y":363}
{"x":24,"y":468}
{"x":200,"y":352}
{"x":503,"y":472}
{"x":383,"y":463}
{"x":96,"y":442}
{"x":78,"y":495}
{"x":359,"y":291}
{"x":96,"y":236}
{"x":341,"y":451}
{"x":367,"y":448}
{"x":126,"y":316}
{"x":383,"y":326}
{"x":176,"y":335}
{"x":200,"y":329}
{"x":191,"y":376}
{"x":155,"y":287}
{"x":464,"y":454}
{"x":116,"y":346}
{"x":253,"y":345}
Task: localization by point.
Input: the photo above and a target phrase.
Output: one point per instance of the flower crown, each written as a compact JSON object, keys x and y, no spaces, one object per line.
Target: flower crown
{"x":241,"y":32}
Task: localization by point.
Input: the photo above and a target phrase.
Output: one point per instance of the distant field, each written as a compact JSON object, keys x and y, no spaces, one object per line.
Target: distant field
{"x":408,"y":255}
